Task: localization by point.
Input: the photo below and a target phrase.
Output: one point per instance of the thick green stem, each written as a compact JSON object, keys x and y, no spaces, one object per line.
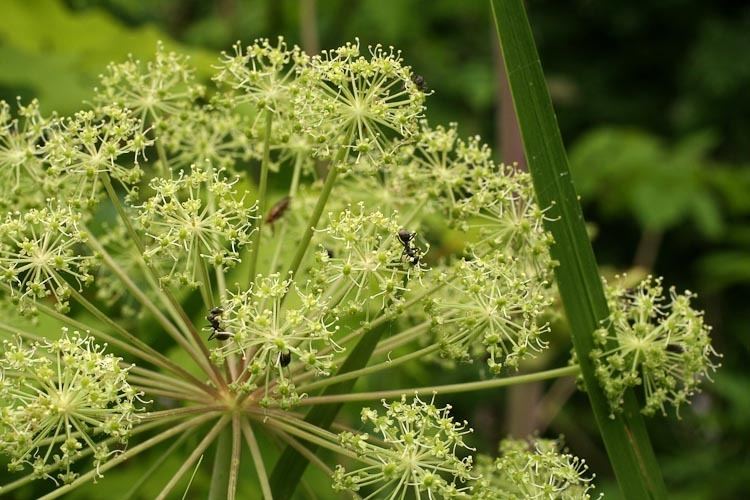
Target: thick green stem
{"x":220,"y":471}
{"x":568,"y":371}
{"x":234,"y":466}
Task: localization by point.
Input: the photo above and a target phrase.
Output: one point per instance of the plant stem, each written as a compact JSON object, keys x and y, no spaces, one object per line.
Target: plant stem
{"x":385,"y":365}
{"x":143,"y":299}
{"x":84,"y":478}
{"x":312,"y":438}
{"x":205,"y":442}
{"x":234,"y":466}
{"x":304,"y":451}
{"x":260,"y":468}
{"x":333,"y":173}
{"x":220,"y":471}
{"x":262,"y":192}
{"x":142,"y":478}
{"x":444,"y":389}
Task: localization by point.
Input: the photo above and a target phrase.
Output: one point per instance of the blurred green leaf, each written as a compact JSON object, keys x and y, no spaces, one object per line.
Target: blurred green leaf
{"x":57,"y":54}
{"x":631,"y":172}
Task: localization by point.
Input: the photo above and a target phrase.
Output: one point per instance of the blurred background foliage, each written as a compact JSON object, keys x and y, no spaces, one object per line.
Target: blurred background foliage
{"x":652,"y":102}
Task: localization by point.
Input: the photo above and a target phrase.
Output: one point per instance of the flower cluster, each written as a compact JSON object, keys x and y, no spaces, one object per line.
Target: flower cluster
{"x":86,"y":146}
{"x":416,"y":450}
{"x":192,"y":221}
{"x":659,"y":343}
{"x":272,"y":335}
{"x":40,"y":253}
{"x":383,"y":240}
{"x":538,"y":469}
{"x":59,"y":399}
{"x":493,"y":307}
{"x":153,"y":90}
{"x":23,"y":178}
{"x":372,"y":102}
{"x":363,"y":261}
{"x":262,"y":74}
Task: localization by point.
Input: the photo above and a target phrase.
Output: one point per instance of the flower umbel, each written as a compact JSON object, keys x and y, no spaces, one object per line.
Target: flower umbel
{"x":657,"y":342}
{"x":535,"y":469}
{"x":418,"y":451}
{"x":194,"y":220}
{"x":59,"y":399}
{"x":39,"y":249}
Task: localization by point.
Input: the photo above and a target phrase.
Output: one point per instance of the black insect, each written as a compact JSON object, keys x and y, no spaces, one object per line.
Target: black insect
{"x":217,"y":332}
{"x":285,"y":357}
{"x":278,"y":210}
{"x":329,"y":253}
{"x":410,"y":251}
{"x":418,"y":80}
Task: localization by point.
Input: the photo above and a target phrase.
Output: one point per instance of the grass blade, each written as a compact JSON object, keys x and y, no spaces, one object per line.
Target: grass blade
{"x":625,"y":436}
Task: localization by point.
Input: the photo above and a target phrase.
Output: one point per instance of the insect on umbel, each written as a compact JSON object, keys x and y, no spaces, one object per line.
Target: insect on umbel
{"x":278,"y":210}
{"x":410,"y":251}
{"x":214,"y":316}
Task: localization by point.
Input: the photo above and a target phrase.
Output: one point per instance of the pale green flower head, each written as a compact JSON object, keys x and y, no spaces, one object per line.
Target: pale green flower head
{"x":535,"y":469}
{"x":363,"y":261}
{"x":23,"y":177}
{"x":263,"y":74}
{"x":372,"y":101}
{"x":417,"y":451}
{"x":152,"y":90}
{"x":279,"y":335}
{"x":62,"y":401}
{"x":492,"y":310}
{"x":208,"y":133}
{"x":653,"y":341}
{"x":88,"y":145}
{"x":193,"y":220}
{"x":41,"y":255}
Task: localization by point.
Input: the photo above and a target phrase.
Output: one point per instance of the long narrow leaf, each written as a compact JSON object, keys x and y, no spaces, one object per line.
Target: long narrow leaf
{"x":625,"y":436}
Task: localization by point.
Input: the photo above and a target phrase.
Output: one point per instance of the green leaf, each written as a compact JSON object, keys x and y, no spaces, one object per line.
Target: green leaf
{"x":625,"y":436}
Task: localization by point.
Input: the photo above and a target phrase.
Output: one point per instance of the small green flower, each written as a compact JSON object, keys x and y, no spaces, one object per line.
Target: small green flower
{"x":417,"y":450}
{"x":86,"y":146}
{"x":262,"y":74}
{"x":363,"y":261}
{"x":536,"y":469}
{"x":214,"y":134}
{"x":194,"y":220}
{"x":657,"y":342}
{"x":57,"y":399}
{"x":24,"y":182}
